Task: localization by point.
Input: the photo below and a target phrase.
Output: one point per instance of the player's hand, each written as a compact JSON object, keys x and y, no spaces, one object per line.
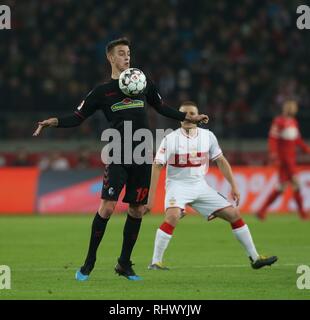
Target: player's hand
{"x":200,"y":118}
{"x":235,"y":195}
{"x":52,"y":122}
{"x":148,"y":207}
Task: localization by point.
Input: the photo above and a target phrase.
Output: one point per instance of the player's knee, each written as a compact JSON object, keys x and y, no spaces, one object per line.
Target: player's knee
{"x":172,"y":220}
{"x":230,"y":214}
{"x":106,"y":208}
{"x":172,"y":217}
{"x":235,"y":215}
{"x":136,"y":211}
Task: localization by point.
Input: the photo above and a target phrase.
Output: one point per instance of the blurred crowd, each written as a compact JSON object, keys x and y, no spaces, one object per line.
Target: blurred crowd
{"x":56,"y":160}
{"x":238,"y":60}
{"x":84,"y":158}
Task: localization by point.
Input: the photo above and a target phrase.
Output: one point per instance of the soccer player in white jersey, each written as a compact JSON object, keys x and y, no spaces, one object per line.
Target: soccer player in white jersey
{"x":186,"y":152}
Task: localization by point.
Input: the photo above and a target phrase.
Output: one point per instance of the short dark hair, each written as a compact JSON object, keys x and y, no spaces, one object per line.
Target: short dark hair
{"x":189,"y":103}
{"x":112,"y":44}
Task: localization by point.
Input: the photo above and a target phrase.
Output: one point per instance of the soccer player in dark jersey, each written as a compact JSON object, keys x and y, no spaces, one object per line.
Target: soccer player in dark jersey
{"x":135,"y":177}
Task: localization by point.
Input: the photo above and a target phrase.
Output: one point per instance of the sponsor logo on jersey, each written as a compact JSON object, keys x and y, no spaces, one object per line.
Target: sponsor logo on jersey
{"x":127,"y":104}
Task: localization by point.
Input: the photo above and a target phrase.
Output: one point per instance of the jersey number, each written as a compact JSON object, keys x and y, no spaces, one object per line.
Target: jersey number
{"x":142,"y":192}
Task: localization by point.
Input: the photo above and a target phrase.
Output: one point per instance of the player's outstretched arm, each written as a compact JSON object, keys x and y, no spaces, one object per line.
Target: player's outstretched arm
{"x":226,"y":170}
{"x":200,"y":118}
{"x":156,"y":168}
{"x":51,"y":122}
{"x":69,"y":121}
{"x":84,"y":110}
{"x":155,"y":100}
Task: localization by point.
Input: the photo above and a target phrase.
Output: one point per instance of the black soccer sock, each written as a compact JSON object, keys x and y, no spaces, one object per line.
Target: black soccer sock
{"x":97,"y":232}
{"x":130,"y":235}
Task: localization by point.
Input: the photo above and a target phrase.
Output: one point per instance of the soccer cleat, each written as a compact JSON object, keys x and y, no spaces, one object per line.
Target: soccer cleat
{"x":125,"y":270}
{"x":263,"y":261}
{"x":84,"y":272}
{"x":304,"y":216}
{"x":80,"y":276}
{"x":157,"y":266}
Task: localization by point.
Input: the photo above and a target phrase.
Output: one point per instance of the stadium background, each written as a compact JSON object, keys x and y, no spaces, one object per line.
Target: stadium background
{"x":239,"y":62}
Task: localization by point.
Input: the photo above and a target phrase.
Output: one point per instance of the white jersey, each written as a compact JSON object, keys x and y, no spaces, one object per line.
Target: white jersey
{"x":187,"y":157}
{"x":187,"y":160}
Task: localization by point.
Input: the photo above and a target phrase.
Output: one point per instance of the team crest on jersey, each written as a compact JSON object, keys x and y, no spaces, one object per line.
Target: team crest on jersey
{"x":193,"y":153}
{"x":127,"y":103}
{"x":172,"y":201}
{"x":111,"y":191}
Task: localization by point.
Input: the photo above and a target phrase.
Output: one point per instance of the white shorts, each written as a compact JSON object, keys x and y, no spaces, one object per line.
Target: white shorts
{"x":200,"y":196}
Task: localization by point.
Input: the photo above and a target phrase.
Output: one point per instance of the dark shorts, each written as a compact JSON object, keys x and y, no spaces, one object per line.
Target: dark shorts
{"x":135,"y":177}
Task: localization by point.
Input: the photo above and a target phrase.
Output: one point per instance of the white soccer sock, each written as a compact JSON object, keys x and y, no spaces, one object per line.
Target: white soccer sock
{"x":161,"y":243}
{"x":244,"y":236}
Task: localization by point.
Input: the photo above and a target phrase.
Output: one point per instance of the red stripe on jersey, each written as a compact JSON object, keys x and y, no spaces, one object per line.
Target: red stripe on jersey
{"x":187,"y":160}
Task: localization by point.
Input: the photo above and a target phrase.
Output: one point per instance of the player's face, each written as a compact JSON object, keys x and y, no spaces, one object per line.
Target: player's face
{"x":193,"y":111}
{"x":120,"y":57}
{"x":291,"y":108}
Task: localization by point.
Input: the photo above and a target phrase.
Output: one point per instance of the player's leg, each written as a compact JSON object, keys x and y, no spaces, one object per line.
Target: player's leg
{"x":99,"y":224}
{"x":163,"y":237}
{"x":212,"y":204}
{"x":136,"y":195}
{"x":113,"y":181}
{"x":130,"y":236}
{"x":283,"y":178}
{"x":177,"y":196}
{"x":243,"y":234}
{"x":298,"y":198}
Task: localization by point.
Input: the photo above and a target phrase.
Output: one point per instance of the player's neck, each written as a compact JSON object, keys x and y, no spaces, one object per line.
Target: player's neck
{"x":115,"y":74}
{"x":190,"y":132}
{"x":288,"y":115}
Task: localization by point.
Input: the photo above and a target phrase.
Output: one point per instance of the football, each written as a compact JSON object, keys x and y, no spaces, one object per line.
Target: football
{"x":132,"y":82}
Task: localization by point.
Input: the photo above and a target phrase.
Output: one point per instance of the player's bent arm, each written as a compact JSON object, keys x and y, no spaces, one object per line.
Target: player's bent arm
{"x":155,"y":100}
{"x":302,"y":145}
{"x":226,"y":170}
{"x":85,"y":110}
{"x":169,"y":112}
{"x":70,"y":121}
{"x":65,"y":122}
{"x":156,"y":168}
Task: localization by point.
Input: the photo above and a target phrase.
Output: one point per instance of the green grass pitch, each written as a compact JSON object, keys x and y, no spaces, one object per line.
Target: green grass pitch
{"x":206,"y":260}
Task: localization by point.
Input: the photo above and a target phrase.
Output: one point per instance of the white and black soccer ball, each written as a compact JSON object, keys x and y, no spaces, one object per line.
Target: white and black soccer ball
{"x":132,"y":82}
